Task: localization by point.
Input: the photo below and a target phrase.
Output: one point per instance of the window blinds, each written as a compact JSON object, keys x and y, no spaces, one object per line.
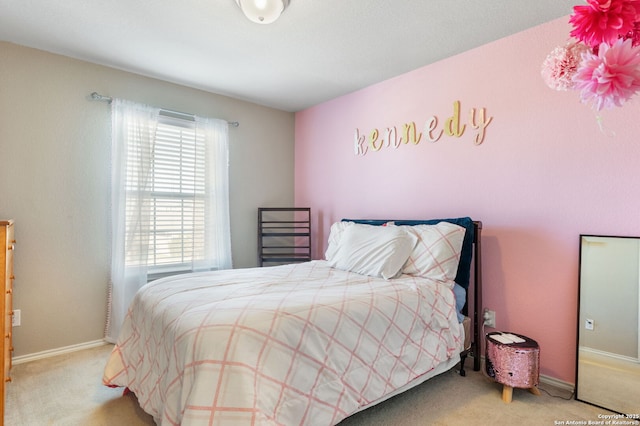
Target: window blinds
{"x":175,"y":189}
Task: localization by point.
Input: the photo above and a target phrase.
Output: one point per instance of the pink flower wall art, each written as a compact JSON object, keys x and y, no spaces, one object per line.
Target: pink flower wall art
{"x":562,"y":64}
{"x":603,"y":60}
{"x":603,"y":21}
{"x":611,"y":77}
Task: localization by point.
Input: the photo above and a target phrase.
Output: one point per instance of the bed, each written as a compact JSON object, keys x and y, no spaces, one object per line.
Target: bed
{"x":306,"y":343}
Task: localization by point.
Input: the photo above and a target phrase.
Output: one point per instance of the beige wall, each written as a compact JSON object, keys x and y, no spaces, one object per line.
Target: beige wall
{"x":54,"y":182}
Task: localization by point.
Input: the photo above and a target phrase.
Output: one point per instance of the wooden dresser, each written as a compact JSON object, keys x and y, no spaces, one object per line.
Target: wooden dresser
{"x":7,"y":246}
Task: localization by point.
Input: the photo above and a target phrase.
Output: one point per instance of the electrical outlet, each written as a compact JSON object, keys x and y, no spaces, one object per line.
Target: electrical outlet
{"x":16,"y":318}
{"x":588,"y":324}
{"x":489,"y":317}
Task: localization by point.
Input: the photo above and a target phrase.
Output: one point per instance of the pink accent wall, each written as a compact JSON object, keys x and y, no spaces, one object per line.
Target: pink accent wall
{"x":545,"y":173}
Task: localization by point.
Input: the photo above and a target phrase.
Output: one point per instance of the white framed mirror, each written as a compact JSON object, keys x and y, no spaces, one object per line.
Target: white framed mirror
{"x":608,"y":350}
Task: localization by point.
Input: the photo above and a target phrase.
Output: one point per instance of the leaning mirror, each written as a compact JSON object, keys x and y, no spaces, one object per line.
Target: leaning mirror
{"x":608,"y":364}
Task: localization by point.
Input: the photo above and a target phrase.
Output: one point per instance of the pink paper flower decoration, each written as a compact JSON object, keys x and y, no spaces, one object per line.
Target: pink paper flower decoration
{"x":634,"y":34}
{"x":604,"y":21}
{"x":611,"y":77}
{"x":561,"y":65}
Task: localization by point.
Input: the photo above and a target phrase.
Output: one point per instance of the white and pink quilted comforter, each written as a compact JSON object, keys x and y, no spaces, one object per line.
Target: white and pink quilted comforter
{"x":287,"y":345}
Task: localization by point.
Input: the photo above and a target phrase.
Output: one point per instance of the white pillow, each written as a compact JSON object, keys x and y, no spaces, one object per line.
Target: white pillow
{"x":378,"y":251}
{"x":335,"y":235}
{"x":437,"y":252}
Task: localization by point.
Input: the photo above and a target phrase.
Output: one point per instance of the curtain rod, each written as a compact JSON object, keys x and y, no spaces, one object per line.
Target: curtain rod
{"x":101,"y":98}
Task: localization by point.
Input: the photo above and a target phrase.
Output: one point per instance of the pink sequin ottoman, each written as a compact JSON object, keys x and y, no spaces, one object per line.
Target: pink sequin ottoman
{"x":514,"y":365}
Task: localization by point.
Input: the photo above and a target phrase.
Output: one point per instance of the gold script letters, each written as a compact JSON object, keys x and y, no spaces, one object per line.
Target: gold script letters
{"x":390,"y":137}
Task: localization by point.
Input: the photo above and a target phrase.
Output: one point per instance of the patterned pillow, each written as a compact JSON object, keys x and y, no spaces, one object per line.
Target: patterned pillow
{"x":437,"y":253}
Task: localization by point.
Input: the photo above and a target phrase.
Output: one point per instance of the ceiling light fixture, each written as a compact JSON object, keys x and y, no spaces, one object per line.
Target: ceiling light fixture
{"x":262,"y":11}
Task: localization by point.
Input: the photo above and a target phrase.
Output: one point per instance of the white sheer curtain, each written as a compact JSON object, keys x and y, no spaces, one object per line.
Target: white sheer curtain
{"x":217,"y":225}
{"x":134,"y":133}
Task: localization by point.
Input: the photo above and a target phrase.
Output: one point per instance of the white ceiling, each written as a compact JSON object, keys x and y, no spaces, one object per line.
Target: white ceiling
{"x":317,"y":50}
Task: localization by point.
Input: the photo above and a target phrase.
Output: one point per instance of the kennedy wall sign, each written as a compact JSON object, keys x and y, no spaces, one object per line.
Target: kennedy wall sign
{"x":375,"y":140}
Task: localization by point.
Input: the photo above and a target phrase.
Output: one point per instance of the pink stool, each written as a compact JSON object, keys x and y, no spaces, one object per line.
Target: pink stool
{"x":514,"y":365}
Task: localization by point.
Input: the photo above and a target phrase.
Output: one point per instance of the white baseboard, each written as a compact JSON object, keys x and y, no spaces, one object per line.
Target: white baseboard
{"x":55,"y":352}
{"x":609,"y":354}
{"x":557,"y":383}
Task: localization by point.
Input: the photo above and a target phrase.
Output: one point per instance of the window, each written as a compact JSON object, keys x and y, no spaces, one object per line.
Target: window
{"x":177,"y":189}
{"x":170,"y":199}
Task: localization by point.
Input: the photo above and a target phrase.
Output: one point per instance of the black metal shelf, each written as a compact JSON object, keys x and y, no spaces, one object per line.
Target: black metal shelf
{"x":284,"y":235}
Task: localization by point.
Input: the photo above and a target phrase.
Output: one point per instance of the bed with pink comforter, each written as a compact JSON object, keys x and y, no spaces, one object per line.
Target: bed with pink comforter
{"x":285,"y":345}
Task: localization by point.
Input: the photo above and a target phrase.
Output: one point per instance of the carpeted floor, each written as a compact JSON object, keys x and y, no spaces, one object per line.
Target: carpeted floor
{"x":67,"y":390}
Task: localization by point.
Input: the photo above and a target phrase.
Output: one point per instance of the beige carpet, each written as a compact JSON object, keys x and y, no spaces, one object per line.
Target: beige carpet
{"x":67,"y":390}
